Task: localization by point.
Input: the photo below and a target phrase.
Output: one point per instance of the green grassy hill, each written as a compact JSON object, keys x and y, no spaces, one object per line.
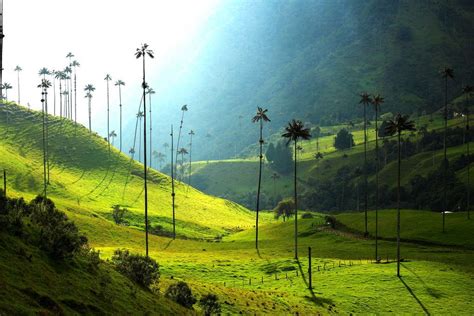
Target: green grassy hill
{"x":212,"y":176}
{"x":87,"y":178}
{"x":31,"y":283}
{"x":86,"y":181}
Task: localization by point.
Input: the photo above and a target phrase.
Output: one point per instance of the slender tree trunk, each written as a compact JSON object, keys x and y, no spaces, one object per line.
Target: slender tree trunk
{"x":376,"y":184}
{"x":296,"y":205}
{"x":75,"y":96}
{"x":54,"y":96}
{"x":47,"y":129}
{"x":108,"y":115}
{"x":366,"y":233}
{"x":90,"y":124}
{"x":61,"y":98}
{"x":18,"y":79}
{"x":190,"y":159}
{"x":177,"y":143}
{"x":144,"y":158}
{"x":445,"y":206}
{"x":398,"y":205}
{"x":120,"y":105}
{"x":44,"y":145}
{"x":468,"y":168}
{"x":151,"y":129}
{"x":259,"y":181}
{"x":172,"y":182}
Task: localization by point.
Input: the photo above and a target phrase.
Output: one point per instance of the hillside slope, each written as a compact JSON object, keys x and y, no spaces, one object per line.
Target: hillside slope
{"x":309,"y":60}
{"x":87,"y":180}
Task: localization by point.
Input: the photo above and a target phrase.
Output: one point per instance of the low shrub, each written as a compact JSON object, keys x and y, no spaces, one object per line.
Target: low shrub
{"x":181,"y":293}
{"x":58,"y":236}
{"x":210,"y":304}
{"x":140,"y":269}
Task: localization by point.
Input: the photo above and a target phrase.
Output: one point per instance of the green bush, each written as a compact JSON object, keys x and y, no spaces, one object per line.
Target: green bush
{"x":210,"y":304}
{"x":58,"y":236}
{"x":181,"y":294}
{"x":140,"y":269}
{"x":307,"y":215}
{"x":118,"y":214}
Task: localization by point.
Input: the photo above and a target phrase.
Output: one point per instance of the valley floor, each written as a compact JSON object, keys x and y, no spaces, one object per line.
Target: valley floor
{"x":435,"y":279}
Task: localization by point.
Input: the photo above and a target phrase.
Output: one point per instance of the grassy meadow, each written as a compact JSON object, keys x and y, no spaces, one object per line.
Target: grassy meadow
{"x":215,"y":249}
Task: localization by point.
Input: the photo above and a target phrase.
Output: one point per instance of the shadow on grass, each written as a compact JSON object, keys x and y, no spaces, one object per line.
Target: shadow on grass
{"x":320,"y":301}
{"x":414,"y":296}
{"x":168,"y":244}
{"x":431,"y":291}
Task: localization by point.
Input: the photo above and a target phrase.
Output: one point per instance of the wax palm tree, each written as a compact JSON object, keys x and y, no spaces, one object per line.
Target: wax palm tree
{"x":131,"y":151}
{"x":108,"y":78}
{"x":395,"y":127}
{"x":447,"y":73}
{"x":161,"y":158}
{"x":70,"y":56}
{"x":150,"y":91}
{"x":6,"y":86}
{"x":376,"y":102}
{"x":119,"y":84}
{"x":18,"y":70}
{"x":139,"y":116}
{"x":89,"y":89}
{"x":260,"y":118}
{"x":182,"y":151}
{"x":60,"y":75}
{"x":44,"y":72}
{"x":75,"y":64}
{"x":142,"y":52}
{"x":44,"y":85}
{"x":294,"y":132}
{"x":68,"y":109}
{"x":467,"y":91}
{"x":184,"y":108}
{"x":112,"y":135}
{"x":365,"y":100}
{"x":173,"y":195}
{"x":191,"y":134}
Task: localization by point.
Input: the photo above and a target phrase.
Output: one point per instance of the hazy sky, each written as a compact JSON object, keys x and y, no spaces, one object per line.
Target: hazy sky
{"x":103,"y":35}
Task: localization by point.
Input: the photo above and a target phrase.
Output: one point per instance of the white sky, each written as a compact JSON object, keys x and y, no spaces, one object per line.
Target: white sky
{"x":103,"y":35}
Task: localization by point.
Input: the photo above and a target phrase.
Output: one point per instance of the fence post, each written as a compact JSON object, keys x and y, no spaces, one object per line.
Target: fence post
{"x":310,"y":272}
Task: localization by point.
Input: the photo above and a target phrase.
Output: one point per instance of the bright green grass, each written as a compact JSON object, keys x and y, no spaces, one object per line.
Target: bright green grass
{"x":439,"y":277}
{"x":416,"y":225}
{"x":85,"y":177}
{"x":38,"y":285}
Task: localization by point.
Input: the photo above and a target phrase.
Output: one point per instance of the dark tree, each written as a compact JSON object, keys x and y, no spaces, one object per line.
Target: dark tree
{"x":181,"y":293}
{"x":365,"y":100}
{"x":295,"y":131}
{"x":395,"y":127}
{"x":343,"y":140}
{"x":260,"y":117}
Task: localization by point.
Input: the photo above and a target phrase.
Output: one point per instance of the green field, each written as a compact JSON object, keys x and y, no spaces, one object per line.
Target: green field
{"x":86,"y":181}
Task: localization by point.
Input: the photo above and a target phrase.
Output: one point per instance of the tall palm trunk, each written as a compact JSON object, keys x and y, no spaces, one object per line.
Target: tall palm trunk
{"x":179,"y":138}
{"x":47,"y":130}
{"x":398,"y":204}
{"x":172,"y":182}
{"x":44,"y":144}
{"x":151,"y":129}
{"x":108,"y":115}
{"x":144,"y":158}
{"x":54,"y":96}
{"x":468,"y":164}
{"x":18,"y":80}
{"x":296,"y":206}
{"x":445,"y":162}
{"x":75,"y":96}
{"x":190,"y":160}
{"x":376,"y":183}
{"x":90,"y":125}
{"x":259,"y":182}
{"x":61,"y":98}
{"x":366,"y":233}
{"x":120,"y":100}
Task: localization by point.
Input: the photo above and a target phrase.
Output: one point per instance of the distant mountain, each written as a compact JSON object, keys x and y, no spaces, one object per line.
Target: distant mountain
{"x":309,"y":60}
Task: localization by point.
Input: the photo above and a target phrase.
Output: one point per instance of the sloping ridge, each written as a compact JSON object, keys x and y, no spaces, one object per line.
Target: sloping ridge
{"x":87,"y":179}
